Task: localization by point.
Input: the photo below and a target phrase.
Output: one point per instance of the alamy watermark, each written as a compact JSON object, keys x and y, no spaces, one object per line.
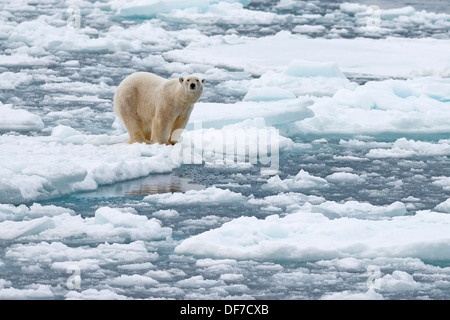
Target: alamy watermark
{"x":74,"y":19}
{"x":374,"y":17}
{"x":74,"y":280}
{"x":374,"y":279}
{"x":230,"y":147}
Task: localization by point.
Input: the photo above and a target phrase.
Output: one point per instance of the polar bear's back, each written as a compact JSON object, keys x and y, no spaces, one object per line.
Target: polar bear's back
{"x":143,"y":80}
{"x":136,"y":92}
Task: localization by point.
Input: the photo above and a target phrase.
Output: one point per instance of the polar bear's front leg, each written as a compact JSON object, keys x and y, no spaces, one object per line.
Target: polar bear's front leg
{"x":179,"y":125}
{"x":161,"y":131}
{"x":178,"y":129}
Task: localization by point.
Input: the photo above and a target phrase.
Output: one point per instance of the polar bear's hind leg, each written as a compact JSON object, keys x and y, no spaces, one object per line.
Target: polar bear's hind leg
{"x":125,"y":107}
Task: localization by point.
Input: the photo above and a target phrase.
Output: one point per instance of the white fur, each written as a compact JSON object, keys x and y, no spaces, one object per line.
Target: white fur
{"x":154,"y":109}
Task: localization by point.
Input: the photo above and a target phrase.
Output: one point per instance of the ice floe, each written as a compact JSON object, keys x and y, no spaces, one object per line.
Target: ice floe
{"x":274,"y":113}
{"x":302,"y":180}
{"x":300,"y":78}
{"x":347,"y":103}
{"x":383,"y":57}
{"x":391,"y":106}
{"x":311,"y":236}
{"x":407,"y":148}
{"x":149,"y":9}
{"x":107,"y":223}
{"x":18,"y":120}
{"x":75,"y":162}
{"x":212,"y":194}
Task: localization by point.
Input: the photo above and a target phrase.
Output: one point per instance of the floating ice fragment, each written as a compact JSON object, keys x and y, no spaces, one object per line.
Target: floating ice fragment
{"x":352,"y":7}
{"x":24,"y":60}
{"x":218,"y":115}
{"x":18,"y":120}
{"x":268,"y":94}
{"x":344,"y":177}
{"x":302,"y":181}
{"x":304,"y":236}
{"x":300,"y":78}
{"x":394,"y":57}
{"x":36,"y":210}
{"x":308,"y":29}
{"x":10,"y":80}
{"x":119,"y":219}
{"x":304,"y":68}
{"x":94,"y":294}
{"x":398,"y":281}
{"x":10,"y":230}
{"x":223,"y":12}
{"x":149,"y":9}
{"x":361,"y":210}
{"x":371,"y":294}
{"x":59,"y":257}
{"x":393,"y":106}
{"x":29,"y":292}
{"x":210,"y":195}
{"x":73,"y":162}
{"x":443,"y":206}
{"x":407,"y":148}
{"x":133,"y":281}
{"x":198,"y":282}
{"x":166,"y":214}
{"x":443,"y":182}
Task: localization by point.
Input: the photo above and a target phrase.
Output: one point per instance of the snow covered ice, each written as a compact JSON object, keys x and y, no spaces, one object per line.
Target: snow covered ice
{"x":347,"y":104}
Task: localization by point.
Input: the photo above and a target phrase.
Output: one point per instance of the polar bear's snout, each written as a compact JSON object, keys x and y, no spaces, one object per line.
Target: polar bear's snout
{"x":192,"y":83}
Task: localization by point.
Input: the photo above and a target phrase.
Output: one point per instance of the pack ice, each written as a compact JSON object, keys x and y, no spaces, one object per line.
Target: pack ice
{"x":358,"y":119}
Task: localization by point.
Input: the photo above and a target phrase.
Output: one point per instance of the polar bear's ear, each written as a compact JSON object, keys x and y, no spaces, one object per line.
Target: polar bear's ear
{"x":203,"y":80}
{"x":181,"y":80}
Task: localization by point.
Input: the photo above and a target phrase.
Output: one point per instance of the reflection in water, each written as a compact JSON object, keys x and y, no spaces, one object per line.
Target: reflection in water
{"x":150,"y":189}
{"x":163,"y":184}
{"x":155,"y":183}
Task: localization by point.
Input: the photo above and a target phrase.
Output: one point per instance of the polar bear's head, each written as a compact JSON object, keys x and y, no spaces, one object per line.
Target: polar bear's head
{"x":193,"y":86}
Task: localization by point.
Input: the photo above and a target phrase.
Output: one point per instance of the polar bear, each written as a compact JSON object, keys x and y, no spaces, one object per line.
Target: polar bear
{"x":154,"y":109}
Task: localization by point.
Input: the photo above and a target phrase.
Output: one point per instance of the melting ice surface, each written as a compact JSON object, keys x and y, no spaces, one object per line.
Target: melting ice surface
{"x":353,"y":102}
